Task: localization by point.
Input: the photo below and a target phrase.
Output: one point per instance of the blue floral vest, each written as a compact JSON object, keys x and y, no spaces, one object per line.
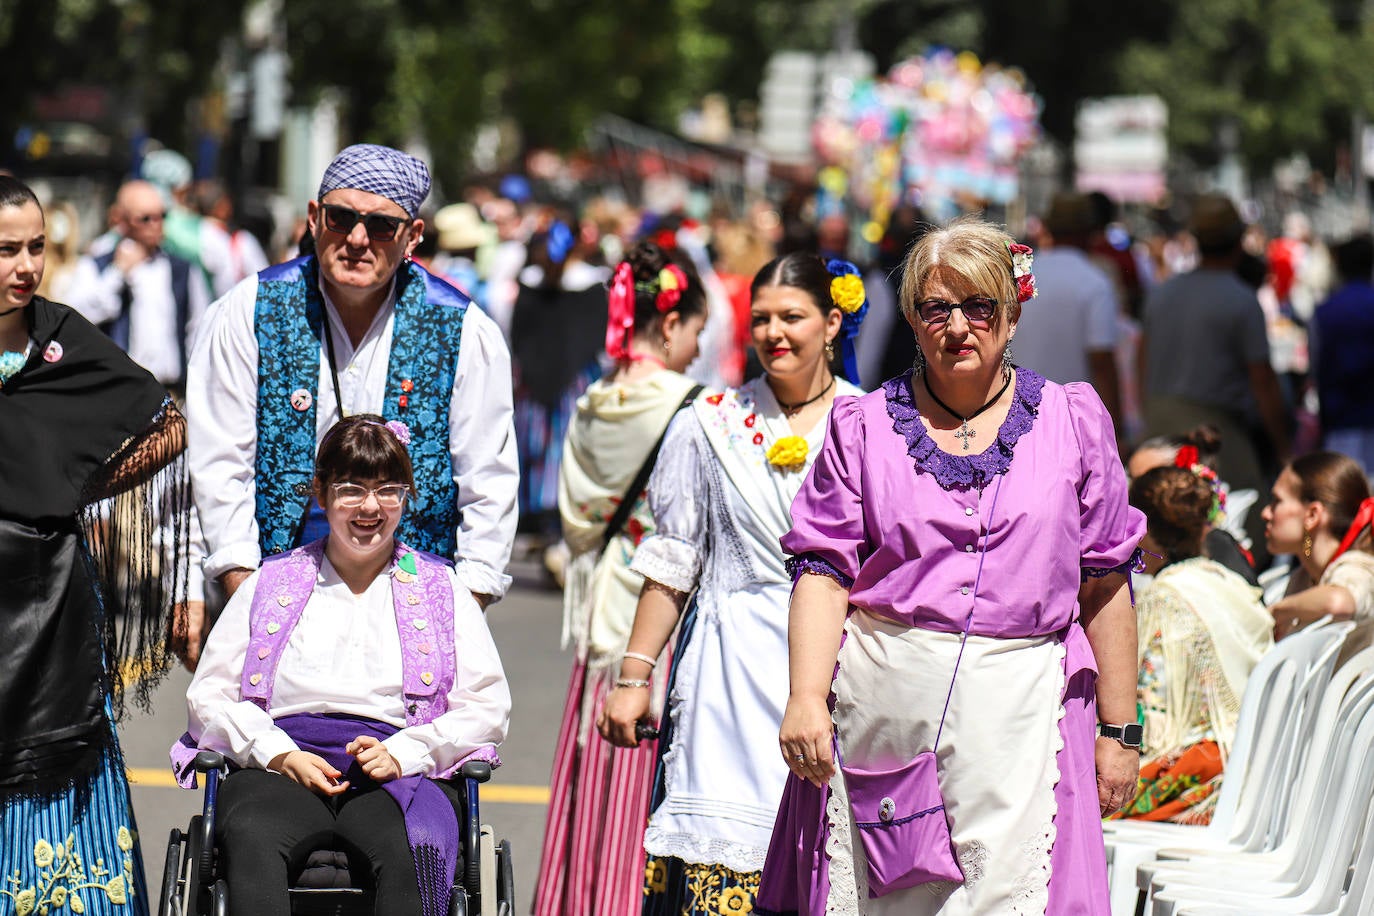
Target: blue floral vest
{"x":427,"y":330}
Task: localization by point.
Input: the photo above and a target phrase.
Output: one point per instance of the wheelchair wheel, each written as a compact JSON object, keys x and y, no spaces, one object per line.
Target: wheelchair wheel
{"x":171,"y":868}
{"x":487,"y":892}
{"x":505,"y":880}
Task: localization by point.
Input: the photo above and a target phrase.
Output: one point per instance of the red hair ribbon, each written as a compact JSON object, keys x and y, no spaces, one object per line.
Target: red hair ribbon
{"x":1187,"y":457}
{"x":671,"y":282}
{"x":1363,"y":519}
{"x":620,"y":312}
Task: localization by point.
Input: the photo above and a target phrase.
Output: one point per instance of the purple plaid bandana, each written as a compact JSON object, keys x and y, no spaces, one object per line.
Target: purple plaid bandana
{"x":379,"y":170}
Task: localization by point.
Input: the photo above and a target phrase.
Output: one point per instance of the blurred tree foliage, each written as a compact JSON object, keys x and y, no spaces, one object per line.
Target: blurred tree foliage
{"x":1287,"y":73}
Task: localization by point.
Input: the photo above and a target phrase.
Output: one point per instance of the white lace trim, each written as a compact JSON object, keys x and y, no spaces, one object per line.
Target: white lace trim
{"x":843,"y":899}
{"x":1031,"y":892}
{"x":740,"y":857}
{"x":668,"y":560}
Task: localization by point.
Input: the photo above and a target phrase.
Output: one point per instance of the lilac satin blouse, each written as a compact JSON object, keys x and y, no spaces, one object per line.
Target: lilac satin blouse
{"x":905,"y":525}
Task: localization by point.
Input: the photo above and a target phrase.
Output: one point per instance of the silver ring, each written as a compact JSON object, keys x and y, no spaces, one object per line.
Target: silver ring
{"x":801,"y":758}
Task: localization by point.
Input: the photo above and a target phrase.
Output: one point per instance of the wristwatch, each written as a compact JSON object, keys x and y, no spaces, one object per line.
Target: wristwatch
{"x":1130,"y":735}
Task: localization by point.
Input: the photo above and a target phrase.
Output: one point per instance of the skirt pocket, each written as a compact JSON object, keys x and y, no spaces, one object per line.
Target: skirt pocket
{"x":900,"y":818}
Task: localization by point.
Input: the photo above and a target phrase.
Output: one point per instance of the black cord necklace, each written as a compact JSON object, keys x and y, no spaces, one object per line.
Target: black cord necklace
{"x":790,"y":409}
{"x":964,"y":433}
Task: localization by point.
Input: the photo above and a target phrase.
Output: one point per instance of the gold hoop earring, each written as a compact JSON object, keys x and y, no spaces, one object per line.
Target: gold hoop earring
{"x":1307,"y":543}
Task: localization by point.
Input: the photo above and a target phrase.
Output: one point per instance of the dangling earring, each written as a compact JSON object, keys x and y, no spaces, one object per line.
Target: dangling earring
{"x":1006,"y":360}
{"x":667,"y":347}
{"x":830,"y":351}
{"x":1307,"y":543}
{"x":918,"y":365}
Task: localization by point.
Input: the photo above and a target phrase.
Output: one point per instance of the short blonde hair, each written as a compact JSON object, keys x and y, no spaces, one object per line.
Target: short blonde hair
{"x":971,"y":247}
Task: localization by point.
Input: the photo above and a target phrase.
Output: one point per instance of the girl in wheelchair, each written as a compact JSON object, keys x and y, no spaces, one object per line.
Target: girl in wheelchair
{"x":346,"y":679}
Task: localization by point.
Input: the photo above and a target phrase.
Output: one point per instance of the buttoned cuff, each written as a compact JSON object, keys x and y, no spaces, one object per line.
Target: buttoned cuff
{"x":481,"y":579}
{"x":266,"y":748}
{"x":243,"y":555}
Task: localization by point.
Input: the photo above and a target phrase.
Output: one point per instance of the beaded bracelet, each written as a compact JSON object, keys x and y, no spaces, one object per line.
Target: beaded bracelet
{"x":631,"y":682}
{"x":648,"y":660}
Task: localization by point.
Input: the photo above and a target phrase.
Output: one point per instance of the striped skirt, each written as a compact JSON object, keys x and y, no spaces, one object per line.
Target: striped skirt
{"x":73,"y":852}
{"x":593,"y":858}
{"x":539,"y":433}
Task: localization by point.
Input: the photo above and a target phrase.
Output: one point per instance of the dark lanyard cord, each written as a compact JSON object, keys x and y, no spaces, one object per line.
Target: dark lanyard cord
{"x":333,"y":365}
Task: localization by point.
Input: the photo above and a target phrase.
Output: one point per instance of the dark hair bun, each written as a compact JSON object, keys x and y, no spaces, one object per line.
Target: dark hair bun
{"x":1176,"y":503}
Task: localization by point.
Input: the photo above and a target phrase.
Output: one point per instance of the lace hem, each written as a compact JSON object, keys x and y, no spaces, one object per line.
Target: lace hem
{"x":668,"y":560}
{"x":1134,"y":563}
{"x":740,"y":857}
{"x":848,"y":883}
{"x":1031,"y":893}
{"x":963,"y":472}
{"x":810,"y":563}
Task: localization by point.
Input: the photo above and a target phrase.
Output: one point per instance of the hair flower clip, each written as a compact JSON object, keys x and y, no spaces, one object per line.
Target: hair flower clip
{"x":1022,"y":258}
{"x":400,"y":431}
{"x":788,"y":453}
{"x":1187,"y":458}
{"x":671,"y":282}
{"x":848,"y":292}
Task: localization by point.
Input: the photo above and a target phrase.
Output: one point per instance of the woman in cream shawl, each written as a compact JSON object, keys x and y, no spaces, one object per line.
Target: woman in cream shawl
{"x":1201,"y":628}
{"x":593,"y":856}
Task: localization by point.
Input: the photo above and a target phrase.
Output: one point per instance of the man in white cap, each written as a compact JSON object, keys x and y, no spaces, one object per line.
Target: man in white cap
{"x":355,"y":328}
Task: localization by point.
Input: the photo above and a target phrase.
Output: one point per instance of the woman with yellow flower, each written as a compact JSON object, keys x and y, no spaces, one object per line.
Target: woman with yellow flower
{"x":721,"y":496}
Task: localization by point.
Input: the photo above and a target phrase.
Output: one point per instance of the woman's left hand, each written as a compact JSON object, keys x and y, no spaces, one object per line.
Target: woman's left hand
{"x":1118,"y":770}
{"x":376,"y":761}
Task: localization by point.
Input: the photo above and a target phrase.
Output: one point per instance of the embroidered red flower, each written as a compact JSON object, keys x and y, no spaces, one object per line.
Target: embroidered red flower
{"x":403,"y":401}
{"x":635,"y":528}
{"x":715,"y":399}
{"x":749,"y":420}
{"x":758,"y":438}
{"x":407,"y":386}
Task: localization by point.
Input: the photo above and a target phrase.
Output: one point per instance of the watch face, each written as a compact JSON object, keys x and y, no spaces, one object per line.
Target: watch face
{"x":1133,"y":734}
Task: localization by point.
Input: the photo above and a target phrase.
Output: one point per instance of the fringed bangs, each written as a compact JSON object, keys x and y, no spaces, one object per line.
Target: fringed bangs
{"x":135,"y":525}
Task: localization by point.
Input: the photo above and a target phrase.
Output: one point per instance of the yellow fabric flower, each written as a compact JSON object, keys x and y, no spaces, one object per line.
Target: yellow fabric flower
{"x":77,"y":906}
{"x":788,"y":452}
{"x":23,"y":902}
{"x":666,"y":279}
{"x":733,"y":901}
{"x":848,"y":292}
{"x":115,"y":890}
{"x":59,"y":897}
{"x":656,"y":877}
{"x":124,"y":840}
{"x":42,"y":853}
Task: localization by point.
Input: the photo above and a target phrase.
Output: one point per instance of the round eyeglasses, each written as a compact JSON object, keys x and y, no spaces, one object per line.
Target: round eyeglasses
{"x":353,"y":495}
{"x":976,"y":309}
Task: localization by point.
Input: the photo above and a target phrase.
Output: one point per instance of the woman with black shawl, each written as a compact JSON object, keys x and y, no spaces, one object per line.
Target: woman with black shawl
{"x":92,"y":526}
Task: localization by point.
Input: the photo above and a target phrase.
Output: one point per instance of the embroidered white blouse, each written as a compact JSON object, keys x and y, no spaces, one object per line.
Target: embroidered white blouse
{"x":344,"y":656}
{"x":222,"y":416}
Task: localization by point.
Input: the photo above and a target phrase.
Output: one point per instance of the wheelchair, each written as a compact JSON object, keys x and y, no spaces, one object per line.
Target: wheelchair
{"x":193,"y":882}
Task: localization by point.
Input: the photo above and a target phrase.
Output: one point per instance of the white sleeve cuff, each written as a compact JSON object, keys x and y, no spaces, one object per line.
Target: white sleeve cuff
{"x":411,"y":756}
{"x":669,"y":561}
{"x":481,"y":579}
{"x":266,"y":748}
{"x":243,"y":555}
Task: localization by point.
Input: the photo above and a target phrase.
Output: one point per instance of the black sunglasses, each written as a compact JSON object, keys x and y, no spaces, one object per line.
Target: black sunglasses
{"x":975,"y":308}
{"x":379,"y":226}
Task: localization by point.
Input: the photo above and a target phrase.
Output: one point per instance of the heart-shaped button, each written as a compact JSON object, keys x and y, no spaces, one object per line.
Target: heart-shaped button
{"x":428,"y":678}
{"x":255,"y":679}
{"x":264,"y":652}
{"x":420,"y":623}
{"x":412,"y":599}
{"x":273,"y":627}
{"x":283,"y":600}
{"x":425,"y":648}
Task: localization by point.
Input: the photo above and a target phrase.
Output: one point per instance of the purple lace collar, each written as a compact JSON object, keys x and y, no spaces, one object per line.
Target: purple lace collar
{"x":962,"y":472}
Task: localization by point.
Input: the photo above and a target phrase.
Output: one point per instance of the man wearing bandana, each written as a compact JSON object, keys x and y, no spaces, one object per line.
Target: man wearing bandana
{"x":356,"y":328}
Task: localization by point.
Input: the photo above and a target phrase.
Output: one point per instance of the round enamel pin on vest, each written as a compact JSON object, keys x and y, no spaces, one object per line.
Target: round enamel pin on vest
{"x":53,"y":352}
{"x":301,"y":399}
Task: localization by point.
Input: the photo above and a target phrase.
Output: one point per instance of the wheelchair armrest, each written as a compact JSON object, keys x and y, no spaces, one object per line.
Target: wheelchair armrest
{"x":208,"y":760}
{"x":478,"y":770}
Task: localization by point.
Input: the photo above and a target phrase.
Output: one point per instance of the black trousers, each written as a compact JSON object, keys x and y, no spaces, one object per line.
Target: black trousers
{"x":267,"y":826}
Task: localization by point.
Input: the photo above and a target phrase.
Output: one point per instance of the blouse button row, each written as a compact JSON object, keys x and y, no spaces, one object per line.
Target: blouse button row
{"x":968,"y":510}
{"x":968,"y":548}
{"x":964,"y":590}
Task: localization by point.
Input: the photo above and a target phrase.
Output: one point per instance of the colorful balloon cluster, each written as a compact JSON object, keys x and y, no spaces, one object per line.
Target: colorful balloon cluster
{"x":938,"y":130}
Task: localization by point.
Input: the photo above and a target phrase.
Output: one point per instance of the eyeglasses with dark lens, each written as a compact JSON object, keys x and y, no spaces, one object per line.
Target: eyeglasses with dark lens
{"x":975,"y":308}
{"x":380,"y":227}
{"x":353,"y":495}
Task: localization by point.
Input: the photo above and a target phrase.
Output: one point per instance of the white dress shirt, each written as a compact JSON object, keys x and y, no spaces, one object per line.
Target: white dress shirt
{"x":153,"y":331}
{"x":344,"y":657}
{"x":222,"y":414}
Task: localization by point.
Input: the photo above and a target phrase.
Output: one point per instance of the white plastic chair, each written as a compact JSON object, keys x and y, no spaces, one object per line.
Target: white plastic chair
{"x":1265,"y":705}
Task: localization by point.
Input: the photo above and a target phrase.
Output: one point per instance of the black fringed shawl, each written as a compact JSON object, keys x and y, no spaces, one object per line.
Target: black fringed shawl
{"x":93,"y":511}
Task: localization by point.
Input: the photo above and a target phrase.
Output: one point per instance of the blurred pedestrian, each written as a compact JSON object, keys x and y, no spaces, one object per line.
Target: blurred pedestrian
{"x":1343,"y":343}
{"x":593,"y":857}
{"x":355,"y":328}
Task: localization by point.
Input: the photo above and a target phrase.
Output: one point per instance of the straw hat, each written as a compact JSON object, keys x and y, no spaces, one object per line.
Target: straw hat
{"x":460,"y":228}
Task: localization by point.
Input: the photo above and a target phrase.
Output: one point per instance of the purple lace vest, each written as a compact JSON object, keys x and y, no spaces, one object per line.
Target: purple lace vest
{"x":424,"y":619}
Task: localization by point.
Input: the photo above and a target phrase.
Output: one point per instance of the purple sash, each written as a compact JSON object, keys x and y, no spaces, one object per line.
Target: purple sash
{"x":431,"y":823}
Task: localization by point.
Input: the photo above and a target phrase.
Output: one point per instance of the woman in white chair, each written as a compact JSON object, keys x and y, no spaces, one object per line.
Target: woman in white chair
{"x":350,"y":664}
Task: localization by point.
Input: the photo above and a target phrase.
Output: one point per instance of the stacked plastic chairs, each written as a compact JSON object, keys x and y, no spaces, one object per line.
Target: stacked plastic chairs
{"x":1297,"y":733}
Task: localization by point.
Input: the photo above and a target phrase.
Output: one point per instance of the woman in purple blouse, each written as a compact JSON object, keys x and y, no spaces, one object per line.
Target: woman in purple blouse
{"x":966,"y":524}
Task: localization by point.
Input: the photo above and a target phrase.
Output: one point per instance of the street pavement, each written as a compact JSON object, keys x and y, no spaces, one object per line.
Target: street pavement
{"x":526,"y":626}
